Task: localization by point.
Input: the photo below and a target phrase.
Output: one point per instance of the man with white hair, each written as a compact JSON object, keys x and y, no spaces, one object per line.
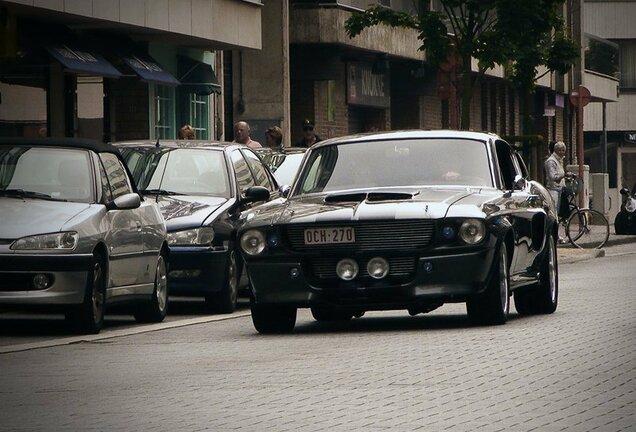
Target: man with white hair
{"x":555,"y":173}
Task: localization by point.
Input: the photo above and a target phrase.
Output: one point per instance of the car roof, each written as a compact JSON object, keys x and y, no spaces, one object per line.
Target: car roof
{"x":408,"y":134}
{"x":80,"y":143}
{"x":175,"y":144}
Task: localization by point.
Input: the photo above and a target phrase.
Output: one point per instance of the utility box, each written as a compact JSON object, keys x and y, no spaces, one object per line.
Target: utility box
{"x":600,"y":192}
{"x":586,"y":181}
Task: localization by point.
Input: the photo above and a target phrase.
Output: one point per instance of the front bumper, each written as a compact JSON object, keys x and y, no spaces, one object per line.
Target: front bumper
{"x":436,"y":278}
{"x":197,"y":270}
{"x":68,"y":274}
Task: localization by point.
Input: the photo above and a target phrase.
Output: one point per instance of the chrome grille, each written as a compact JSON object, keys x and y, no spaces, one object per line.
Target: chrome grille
{"x":385,"y":235}
{"x":325,"y":267}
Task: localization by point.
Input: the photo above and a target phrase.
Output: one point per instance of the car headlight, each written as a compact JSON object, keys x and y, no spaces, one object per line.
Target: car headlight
{"x":63,"y":240}
{"x":630,"y":205}
{"x":191,"y":237}
{"x":472,"y":231}
{"x":253,"y":242}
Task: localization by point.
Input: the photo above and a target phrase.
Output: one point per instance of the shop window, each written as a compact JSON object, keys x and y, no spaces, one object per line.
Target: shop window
{"x":164,"y":115}
{"x":195,"y":111}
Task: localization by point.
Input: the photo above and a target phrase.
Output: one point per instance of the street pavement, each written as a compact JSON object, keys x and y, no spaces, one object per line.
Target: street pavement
{"x":574,"y":370}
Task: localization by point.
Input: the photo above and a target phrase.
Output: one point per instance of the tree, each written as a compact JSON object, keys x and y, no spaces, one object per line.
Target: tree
{"x":490,"y":31}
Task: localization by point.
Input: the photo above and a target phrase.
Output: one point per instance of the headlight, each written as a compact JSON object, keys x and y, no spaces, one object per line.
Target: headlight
{"x":191,"y":237}
{"x":472,"y":231}
{"x":64,"y":240}
{"x":630,"y":205}
{"x":253,"y":242}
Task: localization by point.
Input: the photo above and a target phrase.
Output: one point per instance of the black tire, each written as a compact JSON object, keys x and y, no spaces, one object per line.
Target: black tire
{"x":493,"y":305}
{"x":88,"y":318}
{"x":587,"y":229}
{"x":156,"y":309}
{"x":620,"y":223}
{"x":326,"y":313}
{"x":273,"y":319}
{"x":542,"y":299}
{"x":226,"y":300}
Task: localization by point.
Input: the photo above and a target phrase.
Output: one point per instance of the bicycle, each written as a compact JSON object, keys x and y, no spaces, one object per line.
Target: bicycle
{"x":585,"y":228}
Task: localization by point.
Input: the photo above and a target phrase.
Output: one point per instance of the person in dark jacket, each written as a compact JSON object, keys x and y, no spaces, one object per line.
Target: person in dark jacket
{"x":309,"y":135}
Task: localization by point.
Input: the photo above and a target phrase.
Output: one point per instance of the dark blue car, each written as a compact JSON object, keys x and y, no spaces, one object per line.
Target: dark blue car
{"x":202,"y":189}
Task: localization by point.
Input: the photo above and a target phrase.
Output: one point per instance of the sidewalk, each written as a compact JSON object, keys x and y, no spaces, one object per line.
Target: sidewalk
{"x":568,"y":253}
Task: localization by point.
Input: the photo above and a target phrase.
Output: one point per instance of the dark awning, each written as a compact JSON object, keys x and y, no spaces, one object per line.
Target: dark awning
{"x":197,"y":77}
{"x":79,"y":59}
{"x":148,"y":69}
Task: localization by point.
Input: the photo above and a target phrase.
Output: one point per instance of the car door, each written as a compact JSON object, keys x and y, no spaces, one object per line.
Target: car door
{"x":522,"y":206}
{"x":123,"y":230}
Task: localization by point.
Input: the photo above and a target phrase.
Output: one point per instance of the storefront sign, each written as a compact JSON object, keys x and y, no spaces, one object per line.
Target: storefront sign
{"x":366,"y":88}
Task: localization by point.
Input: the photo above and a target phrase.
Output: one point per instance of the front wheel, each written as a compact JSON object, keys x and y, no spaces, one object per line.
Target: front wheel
{"x":156,"y":309}
{"x":587,"y":229}
{"x":493,"y":305}
{"x":88,"y":318}
{"x":225,"y":301}
{"x":271,"y":319}
{"x":543,"y":298}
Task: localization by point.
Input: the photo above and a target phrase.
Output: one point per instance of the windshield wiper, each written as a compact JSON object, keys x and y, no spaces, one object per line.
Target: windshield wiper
{"x":159,"y":192}
{"x":21,"y":193}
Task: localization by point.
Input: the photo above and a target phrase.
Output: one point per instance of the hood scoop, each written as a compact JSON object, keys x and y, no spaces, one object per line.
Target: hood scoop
{"x":368,"y":196}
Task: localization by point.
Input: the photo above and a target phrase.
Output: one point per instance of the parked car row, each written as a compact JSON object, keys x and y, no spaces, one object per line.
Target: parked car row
{"x":393,"y":220}
{"x":87,"y":225}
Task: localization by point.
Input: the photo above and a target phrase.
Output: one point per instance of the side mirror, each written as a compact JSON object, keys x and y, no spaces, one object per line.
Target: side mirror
{"x":624,"y":191}
{"x":284,"y":190}
{"x":125,"y":202}
{"x":254,"y":194}
{"x":520,"y":183}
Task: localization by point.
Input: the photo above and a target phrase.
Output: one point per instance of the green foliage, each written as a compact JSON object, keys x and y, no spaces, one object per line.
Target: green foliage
{"x":521,"y":35}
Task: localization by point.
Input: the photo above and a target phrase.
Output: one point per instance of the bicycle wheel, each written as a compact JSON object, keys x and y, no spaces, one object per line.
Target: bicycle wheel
{"x":587,"y":229}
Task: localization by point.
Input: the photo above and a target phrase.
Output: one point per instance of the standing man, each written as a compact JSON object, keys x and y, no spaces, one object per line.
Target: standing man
{"x":555,"y":173}
{"x":309,"y":135}
{"x":242,"y":135}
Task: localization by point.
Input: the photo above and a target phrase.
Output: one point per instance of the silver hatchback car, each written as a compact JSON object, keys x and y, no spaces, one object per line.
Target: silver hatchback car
{"x":75,"y":235}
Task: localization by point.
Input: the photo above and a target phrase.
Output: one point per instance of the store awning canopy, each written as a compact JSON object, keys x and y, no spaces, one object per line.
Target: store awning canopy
{"x":78,"y":59}
{"x":148,"y":69}
{"x":197,"y":77}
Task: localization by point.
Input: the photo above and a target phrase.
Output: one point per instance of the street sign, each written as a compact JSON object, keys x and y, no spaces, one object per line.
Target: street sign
{"x":580,"y":96}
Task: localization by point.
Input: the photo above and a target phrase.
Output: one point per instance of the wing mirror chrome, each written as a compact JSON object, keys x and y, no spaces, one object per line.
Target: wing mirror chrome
{"x":520,"y":183}
{"x":254,"y":194}
{"x":284,"y":190}
{"x":125,"y":202}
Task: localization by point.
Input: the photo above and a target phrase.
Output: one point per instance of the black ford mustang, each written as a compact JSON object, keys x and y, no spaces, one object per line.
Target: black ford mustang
{"x":403,"y":220}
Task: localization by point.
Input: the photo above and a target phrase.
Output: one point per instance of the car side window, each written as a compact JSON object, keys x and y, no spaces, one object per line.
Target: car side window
{"x":242,"y":171}
{"x":103,"y":180}
{"x":116,"y":175}
{"x":506,"y":164}
{"x":260,"y":172}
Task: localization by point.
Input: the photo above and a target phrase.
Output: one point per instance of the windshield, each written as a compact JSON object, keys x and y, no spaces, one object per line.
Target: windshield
{"x":185,"y":171}
{"x":396,"y":163}
{"x":286,"y":168}
{"x":46,"y":172}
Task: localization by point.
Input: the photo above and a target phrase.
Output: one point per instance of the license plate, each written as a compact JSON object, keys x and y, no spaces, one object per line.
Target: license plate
{"x":329,"y":235}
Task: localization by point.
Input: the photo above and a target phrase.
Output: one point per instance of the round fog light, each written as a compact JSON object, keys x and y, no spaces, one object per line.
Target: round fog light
{"x":41,"y":281}
{"x":378,"y":267}
{"x":347,"y":269}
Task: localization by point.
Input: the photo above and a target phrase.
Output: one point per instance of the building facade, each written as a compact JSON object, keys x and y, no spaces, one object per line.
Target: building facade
{"x":610,"y":69}
{"x":118,"y":70}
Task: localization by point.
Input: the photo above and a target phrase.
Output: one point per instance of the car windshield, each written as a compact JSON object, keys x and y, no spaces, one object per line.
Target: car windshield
{"x":184,"y":171}
{"x":50,"y":173}
{"x":396,"y":163}
{"x":285,"y":167}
